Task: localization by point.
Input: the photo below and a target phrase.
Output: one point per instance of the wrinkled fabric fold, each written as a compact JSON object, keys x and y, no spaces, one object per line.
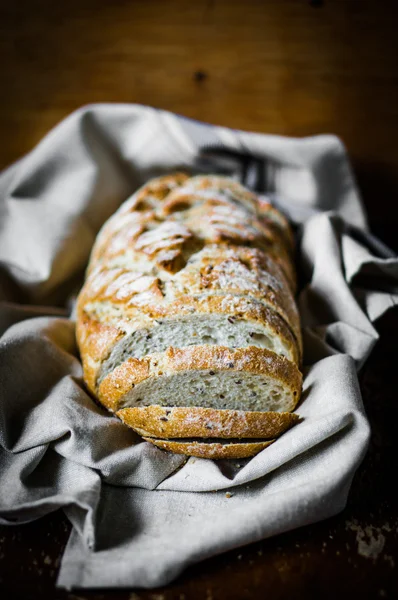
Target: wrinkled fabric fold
{"x":140,"y":516}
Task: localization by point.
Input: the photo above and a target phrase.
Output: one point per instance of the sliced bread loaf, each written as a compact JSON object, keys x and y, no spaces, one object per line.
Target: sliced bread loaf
{"x":188,"y":307}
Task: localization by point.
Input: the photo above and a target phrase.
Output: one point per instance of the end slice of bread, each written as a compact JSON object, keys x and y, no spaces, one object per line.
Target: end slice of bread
{"x":193,"y":422}
{"x":211,"y":449}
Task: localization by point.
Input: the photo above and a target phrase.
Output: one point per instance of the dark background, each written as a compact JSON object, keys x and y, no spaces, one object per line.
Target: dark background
{"x":291,"y":67}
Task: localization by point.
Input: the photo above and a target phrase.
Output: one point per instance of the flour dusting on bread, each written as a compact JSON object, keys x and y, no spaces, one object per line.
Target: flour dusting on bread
{"x":187,"y":323}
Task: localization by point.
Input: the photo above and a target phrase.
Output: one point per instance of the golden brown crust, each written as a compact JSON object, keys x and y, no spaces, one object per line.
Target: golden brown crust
{"x":133,"y":217}
{"x":191,"y":422}
{"x":222,"y":184}
{"x":238,"y":305}
{"x":95,"y":341}
{"x":258,"y":361}
{"x":153,"y":193}
{"x":212,"y":450}
{"x":164,"y":226}
{"x":121,"y":380}
{"x":257,"y":205}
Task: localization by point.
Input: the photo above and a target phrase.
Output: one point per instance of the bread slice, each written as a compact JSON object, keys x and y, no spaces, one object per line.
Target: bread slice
{"x":211,"y":449}
{"x":202,"y":329}
{"x":251,"y":378}
{"x":193,"y":422}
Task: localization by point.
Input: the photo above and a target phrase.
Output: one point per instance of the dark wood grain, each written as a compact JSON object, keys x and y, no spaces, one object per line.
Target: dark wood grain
{"x":278,"y":66}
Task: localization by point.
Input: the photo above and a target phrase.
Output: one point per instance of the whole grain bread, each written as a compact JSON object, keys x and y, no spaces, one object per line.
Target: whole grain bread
{"x":189,"y":306}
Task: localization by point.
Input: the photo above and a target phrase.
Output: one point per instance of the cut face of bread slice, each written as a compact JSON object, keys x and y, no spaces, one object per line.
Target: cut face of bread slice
{"x":191,"y":422}
{"x":211,"y":449}
{"x":201,"y":329}
{"x":250,"y":378}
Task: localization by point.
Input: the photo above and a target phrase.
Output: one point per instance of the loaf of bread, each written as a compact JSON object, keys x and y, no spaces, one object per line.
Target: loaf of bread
{"x":187,"y":324}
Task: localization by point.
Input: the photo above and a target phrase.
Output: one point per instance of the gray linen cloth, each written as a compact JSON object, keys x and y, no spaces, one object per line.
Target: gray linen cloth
{"x":140,"y":515}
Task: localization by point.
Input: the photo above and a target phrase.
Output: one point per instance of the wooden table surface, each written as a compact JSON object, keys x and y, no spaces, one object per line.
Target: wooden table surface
{"x":291,"y":67}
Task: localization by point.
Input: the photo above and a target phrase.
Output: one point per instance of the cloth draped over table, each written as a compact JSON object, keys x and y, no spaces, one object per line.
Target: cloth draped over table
{"x":141,"y":515}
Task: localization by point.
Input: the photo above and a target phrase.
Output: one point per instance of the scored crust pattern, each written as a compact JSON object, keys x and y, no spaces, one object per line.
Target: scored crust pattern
{"x":182,"y":245}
